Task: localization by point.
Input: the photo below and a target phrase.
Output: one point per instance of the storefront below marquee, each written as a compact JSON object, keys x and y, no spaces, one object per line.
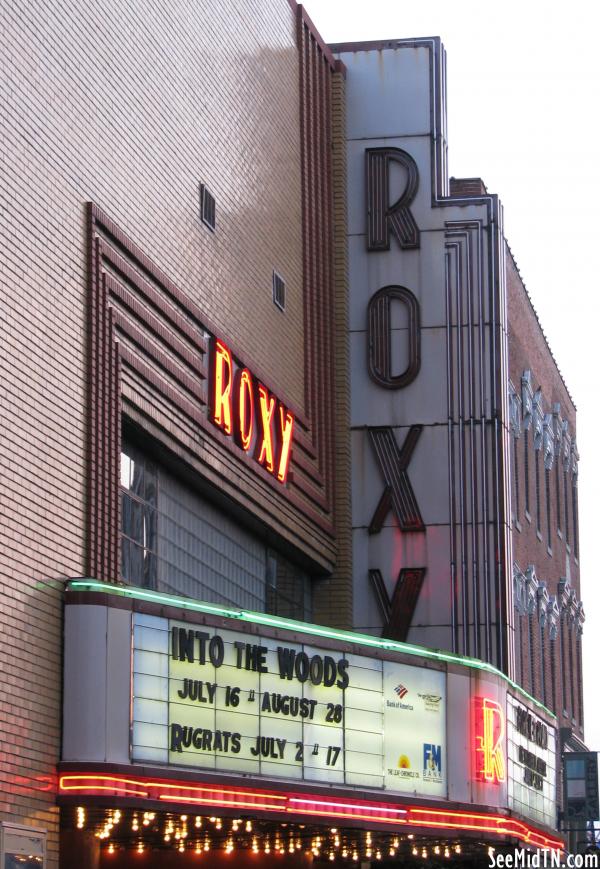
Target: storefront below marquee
{"x":194,"y":731}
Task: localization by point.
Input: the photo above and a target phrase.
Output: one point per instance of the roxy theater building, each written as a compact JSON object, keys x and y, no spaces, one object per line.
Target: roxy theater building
{"x":289,"y":545}
{"x":464,"y":452}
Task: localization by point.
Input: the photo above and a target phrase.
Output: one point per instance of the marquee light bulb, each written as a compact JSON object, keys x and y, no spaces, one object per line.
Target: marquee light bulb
{"x":198,"y":822}
{"x":111,"y":848}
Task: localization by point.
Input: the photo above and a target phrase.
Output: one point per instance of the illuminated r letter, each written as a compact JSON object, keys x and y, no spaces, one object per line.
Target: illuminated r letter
{"x":489,"y":741}
{"x":381,"y":216}
{"x":244,"y":409}
{"x":286,"y":425}
{"x":222,"y":371}
{"x":264,"y":449}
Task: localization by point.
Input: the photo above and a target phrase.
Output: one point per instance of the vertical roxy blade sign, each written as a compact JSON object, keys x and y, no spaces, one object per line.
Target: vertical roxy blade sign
{"x":245,"y":409}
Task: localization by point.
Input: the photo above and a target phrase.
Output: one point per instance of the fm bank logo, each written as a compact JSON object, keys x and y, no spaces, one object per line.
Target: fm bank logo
{"x":432,"y":762}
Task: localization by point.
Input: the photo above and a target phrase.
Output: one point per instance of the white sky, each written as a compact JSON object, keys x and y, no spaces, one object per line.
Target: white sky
{"x":523,"y":105}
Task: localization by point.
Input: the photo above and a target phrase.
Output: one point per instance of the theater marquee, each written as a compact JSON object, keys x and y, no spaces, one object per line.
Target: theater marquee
{"x":165,"y":689}
{"x":223,"y":700}
{"x":531,"y":764}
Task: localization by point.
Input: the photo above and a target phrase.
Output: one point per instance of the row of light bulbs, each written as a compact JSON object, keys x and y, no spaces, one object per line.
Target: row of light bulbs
{"x":196,"y":833}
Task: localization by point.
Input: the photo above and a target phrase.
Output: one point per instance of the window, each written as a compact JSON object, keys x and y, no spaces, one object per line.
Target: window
{"x":578,"y":653}
{"x":553,"y":672}
{"x":575,"y":516}
{"x":526,"y":469}
{"x":516,"y":471}
{"x":548,"y":511}
{"x":139,"y":484}
{"x":207,"y":208}
{"x":531,"y":655}
{"x":178,"y":542}
{"x":557,"y":481}
{"x":279,"y":291}
{"x":563,"y":659}
{"x":571,"y":671}
{"x":538,"y":516}
{"x":543,"y":663}
{"x":566,"y":499}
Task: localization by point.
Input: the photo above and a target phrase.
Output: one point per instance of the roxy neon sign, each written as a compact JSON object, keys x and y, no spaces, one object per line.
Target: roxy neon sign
{"x":243,"y":407}
{"x":489,"y":729}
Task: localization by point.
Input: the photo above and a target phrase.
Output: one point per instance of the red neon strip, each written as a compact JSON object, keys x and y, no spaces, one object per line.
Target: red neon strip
{"x":113,"y":790}
{"x":347,"y":805}
{"x":220,"y":791}
{"x":334,"y":814}
{"x":502,"y":824}
{"x":238,"y":803}
{"x":106,"y":778}
{"x":367,"y":811}
{"x":94,"y":777}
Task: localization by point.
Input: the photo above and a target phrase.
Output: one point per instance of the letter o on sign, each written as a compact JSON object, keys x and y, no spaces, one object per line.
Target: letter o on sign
{"x":380,"y":337}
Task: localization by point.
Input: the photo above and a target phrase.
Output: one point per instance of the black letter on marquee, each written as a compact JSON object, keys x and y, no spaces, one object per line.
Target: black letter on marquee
{"x":398,"y":493}
{"x":381,"y":216}
{"x":398,"y":612}
{"x":380,"y":338}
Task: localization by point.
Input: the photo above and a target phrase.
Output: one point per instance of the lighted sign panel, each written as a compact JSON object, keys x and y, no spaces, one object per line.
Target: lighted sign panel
{"x":229,"y":701}
{"x":531,"y":764}
{"x":489,"y":740}
{"x":427,"y":330}
{"x":244,"y":409}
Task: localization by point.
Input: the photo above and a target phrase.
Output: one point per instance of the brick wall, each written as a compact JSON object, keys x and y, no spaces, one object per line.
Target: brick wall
{"x":130,"y":107}
{"x":544,"y":546}
{"x":334,"y":596}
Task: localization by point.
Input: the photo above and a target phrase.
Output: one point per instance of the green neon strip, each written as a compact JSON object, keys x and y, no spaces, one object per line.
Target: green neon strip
{"x":299,"y":627}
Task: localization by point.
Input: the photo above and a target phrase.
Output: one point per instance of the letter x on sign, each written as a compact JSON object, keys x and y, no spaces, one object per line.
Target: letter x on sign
{"x":398,"y":494}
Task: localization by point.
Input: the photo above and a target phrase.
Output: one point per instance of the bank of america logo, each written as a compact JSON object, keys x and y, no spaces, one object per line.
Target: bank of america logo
{"x":401,"y":691}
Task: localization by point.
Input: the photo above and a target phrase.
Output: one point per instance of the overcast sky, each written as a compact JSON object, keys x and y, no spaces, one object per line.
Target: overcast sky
{"x":523,"y":105}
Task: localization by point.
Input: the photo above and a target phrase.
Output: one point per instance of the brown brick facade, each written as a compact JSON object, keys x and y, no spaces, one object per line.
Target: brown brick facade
{"x":545,"y":546}
{"x":132,"y":108}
